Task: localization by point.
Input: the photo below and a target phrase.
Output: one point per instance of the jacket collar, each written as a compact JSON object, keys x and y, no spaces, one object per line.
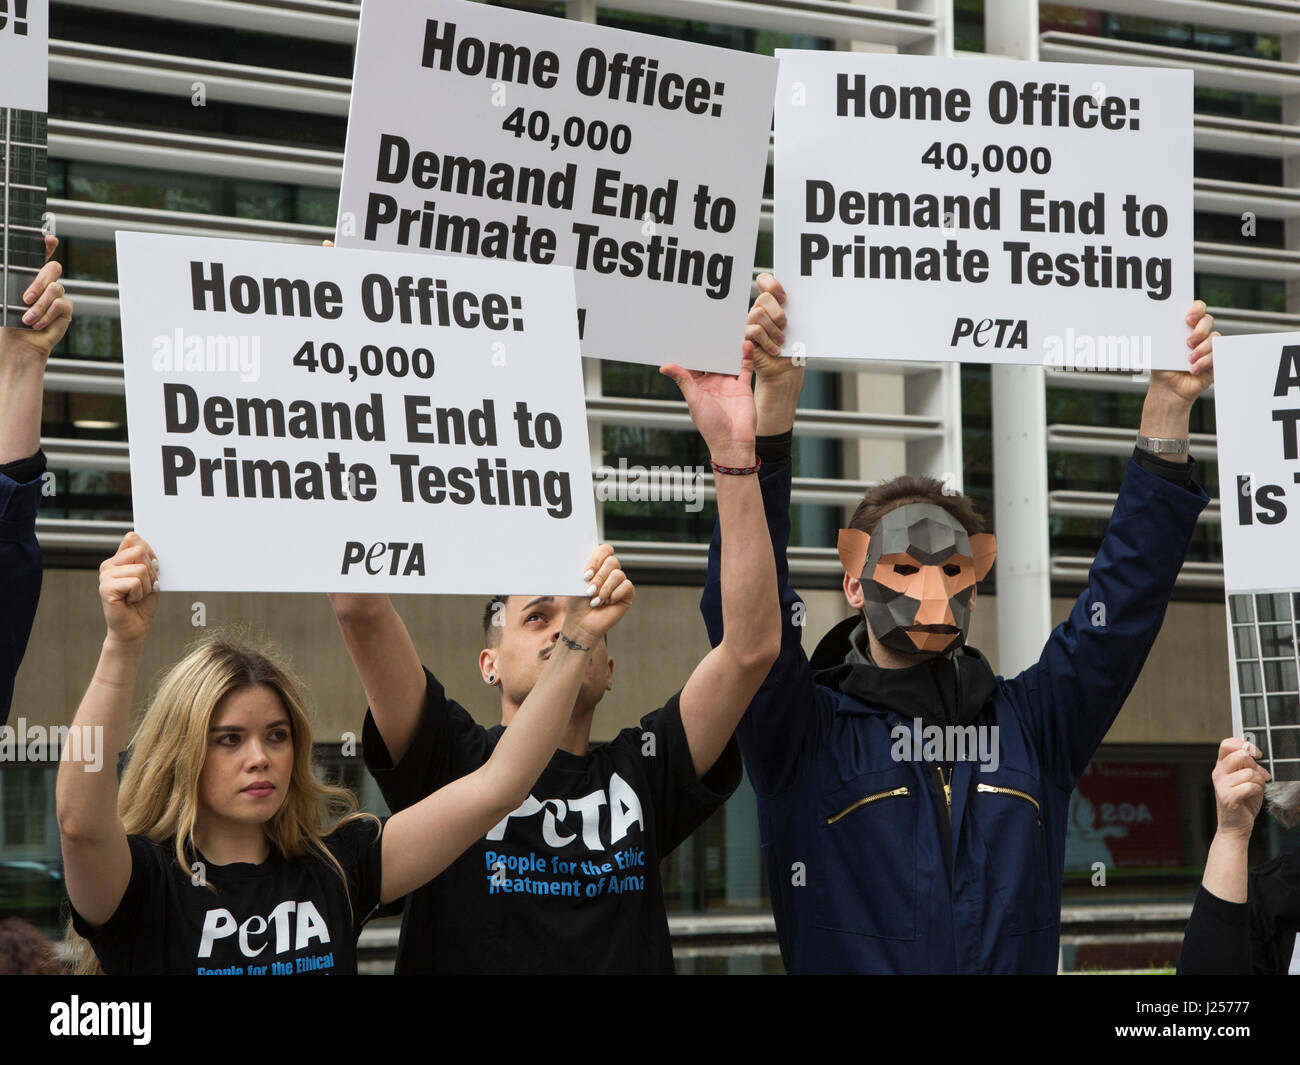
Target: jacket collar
{"x":940,"y":691}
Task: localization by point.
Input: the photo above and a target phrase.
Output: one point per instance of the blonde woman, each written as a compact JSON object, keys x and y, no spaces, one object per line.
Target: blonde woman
{"x":222,"y":853}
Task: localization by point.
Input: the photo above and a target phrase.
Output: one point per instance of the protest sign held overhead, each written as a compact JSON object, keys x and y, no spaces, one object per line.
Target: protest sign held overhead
{"x":637,"y":160}
{"x":24,"y":54}
{"x":984,"y":211}
{"x":307,"y":419}
{"x":1257,"y":415}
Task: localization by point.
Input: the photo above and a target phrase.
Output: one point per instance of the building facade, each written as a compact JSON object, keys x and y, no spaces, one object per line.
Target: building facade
{"x":165,"y":119}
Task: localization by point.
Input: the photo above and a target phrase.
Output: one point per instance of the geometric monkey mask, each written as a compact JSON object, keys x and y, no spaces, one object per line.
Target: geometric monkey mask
{"x":918,"y":572}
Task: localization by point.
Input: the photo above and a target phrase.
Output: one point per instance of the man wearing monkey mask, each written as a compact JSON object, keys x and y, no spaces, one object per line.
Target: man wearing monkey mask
{"x":947,"y":856}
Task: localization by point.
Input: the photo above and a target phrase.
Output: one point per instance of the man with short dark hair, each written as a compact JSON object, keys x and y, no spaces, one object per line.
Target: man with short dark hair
{"x":912,"y":805}
{"x":569,"y":882}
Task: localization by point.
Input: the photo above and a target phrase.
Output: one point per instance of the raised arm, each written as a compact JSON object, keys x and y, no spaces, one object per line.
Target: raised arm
{"x":773,"y":732}
{"x":96,"y":857}
{"x":23,"y":354}
{"x":722,"y":685}
{"x":388,"y":664}
{"x":1092,"y":660}
{"x":1238,"y":795}
{"x":1218,"y":936}
{"x":422,"y":840}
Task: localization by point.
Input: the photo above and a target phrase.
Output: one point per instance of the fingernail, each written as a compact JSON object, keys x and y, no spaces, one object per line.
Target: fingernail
{"x":591,"y":590}
{"x":596,"y":601}
{"x":28,"y":296}
{"x":154,"y":562}
{"x":29,"y":317}
{"x":589,"y":574}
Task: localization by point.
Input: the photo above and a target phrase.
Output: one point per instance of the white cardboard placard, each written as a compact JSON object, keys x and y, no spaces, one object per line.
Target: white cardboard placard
{"x":637,"y":160}
{"x":24,"y":55}
{"x":1257,"y":419}
{"x":943,"y":210}
{"x":307,"y":420}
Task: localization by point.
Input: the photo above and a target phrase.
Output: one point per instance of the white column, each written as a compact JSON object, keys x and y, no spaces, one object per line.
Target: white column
{"x":1019,"y":403}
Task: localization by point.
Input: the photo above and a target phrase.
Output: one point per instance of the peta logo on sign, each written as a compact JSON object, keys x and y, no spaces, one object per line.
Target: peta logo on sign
{"x":254,"y":932}
{"x":624,"y":812}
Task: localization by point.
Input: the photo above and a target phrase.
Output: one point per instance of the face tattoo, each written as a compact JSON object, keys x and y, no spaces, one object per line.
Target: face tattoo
{"x":918,"y":573}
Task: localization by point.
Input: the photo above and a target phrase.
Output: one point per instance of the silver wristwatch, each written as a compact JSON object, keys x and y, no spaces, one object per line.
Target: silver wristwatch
{"x":1162,"y":445}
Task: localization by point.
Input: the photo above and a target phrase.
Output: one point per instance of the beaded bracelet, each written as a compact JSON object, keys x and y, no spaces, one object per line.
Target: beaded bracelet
{"x":736,"y":469}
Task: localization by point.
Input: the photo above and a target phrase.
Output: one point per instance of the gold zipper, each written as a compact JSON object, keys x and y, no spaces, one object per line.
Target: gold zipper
{"x":868,"y":799}
{"x":1018,"y":794}
{"x":947,"y":787}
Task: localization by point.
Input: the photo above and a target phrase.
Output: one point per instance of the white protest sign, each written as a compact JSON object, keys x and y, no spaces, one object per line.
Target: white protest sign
{"x":311,"y":419}
{"x":637,"y":160}
{"x":24,"y":54}
{"x":981,"y":210}
{"x":1257,"y":418}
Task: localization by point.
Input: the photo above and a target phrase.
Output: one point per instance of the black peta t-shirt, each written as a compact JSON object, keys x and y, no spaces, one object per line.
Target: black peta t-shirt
{"x":275,"y":919}
{"x":569,"y":882}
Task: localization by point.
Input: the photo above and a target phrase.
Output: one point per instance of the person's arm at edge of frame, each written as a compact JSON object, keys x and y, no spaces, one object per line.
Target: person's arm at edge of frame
{"x":720,"y":688}
{"x":23,"y":356}
{"x":96,"y":855}
{"x":1217,"y":940}
{"x":421,"y":841}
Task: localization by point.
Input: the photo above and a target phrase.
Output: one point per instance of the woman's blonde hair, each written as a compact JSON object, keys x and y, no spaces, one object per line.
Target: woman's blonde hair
{"x":158,"y":796}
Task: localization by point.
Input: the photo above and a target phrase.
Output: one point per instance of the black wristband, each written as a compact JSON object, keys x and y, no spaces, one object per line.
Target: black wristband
{"x":25,"y":470}
{"x":775,"y":448}
{"x":1179,"y":473}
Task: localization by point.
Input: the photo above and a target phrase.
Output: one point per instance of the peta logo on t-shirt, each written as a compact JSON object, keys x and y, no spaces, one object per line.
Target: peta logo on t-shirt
{"x":624,"y":812}
{"x":253,"y":938}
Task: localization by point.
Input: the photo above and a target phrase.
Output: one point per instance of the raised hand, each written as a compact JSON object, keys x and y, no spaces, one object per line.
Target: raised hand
{"x":722,"y":408}
{"x":1238,"y":786}
{"x":1188,"y":385}
{"x":609,"y":594}
{"x":49,"y":310}
{"x":765,"y":327}
{"x":128,"y":589}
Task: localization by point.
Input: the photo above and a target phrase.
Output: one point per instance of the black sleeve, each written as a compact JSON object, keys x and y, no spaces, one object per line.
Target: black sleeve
{"x":131,"y":940}
{"x":1217,"y":940}
{"x":358,"y":847}
{"x":1179,"y":473}
{"x":448,"y":744}
{"x":20,"y":564}
{"x":682,"y":801}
